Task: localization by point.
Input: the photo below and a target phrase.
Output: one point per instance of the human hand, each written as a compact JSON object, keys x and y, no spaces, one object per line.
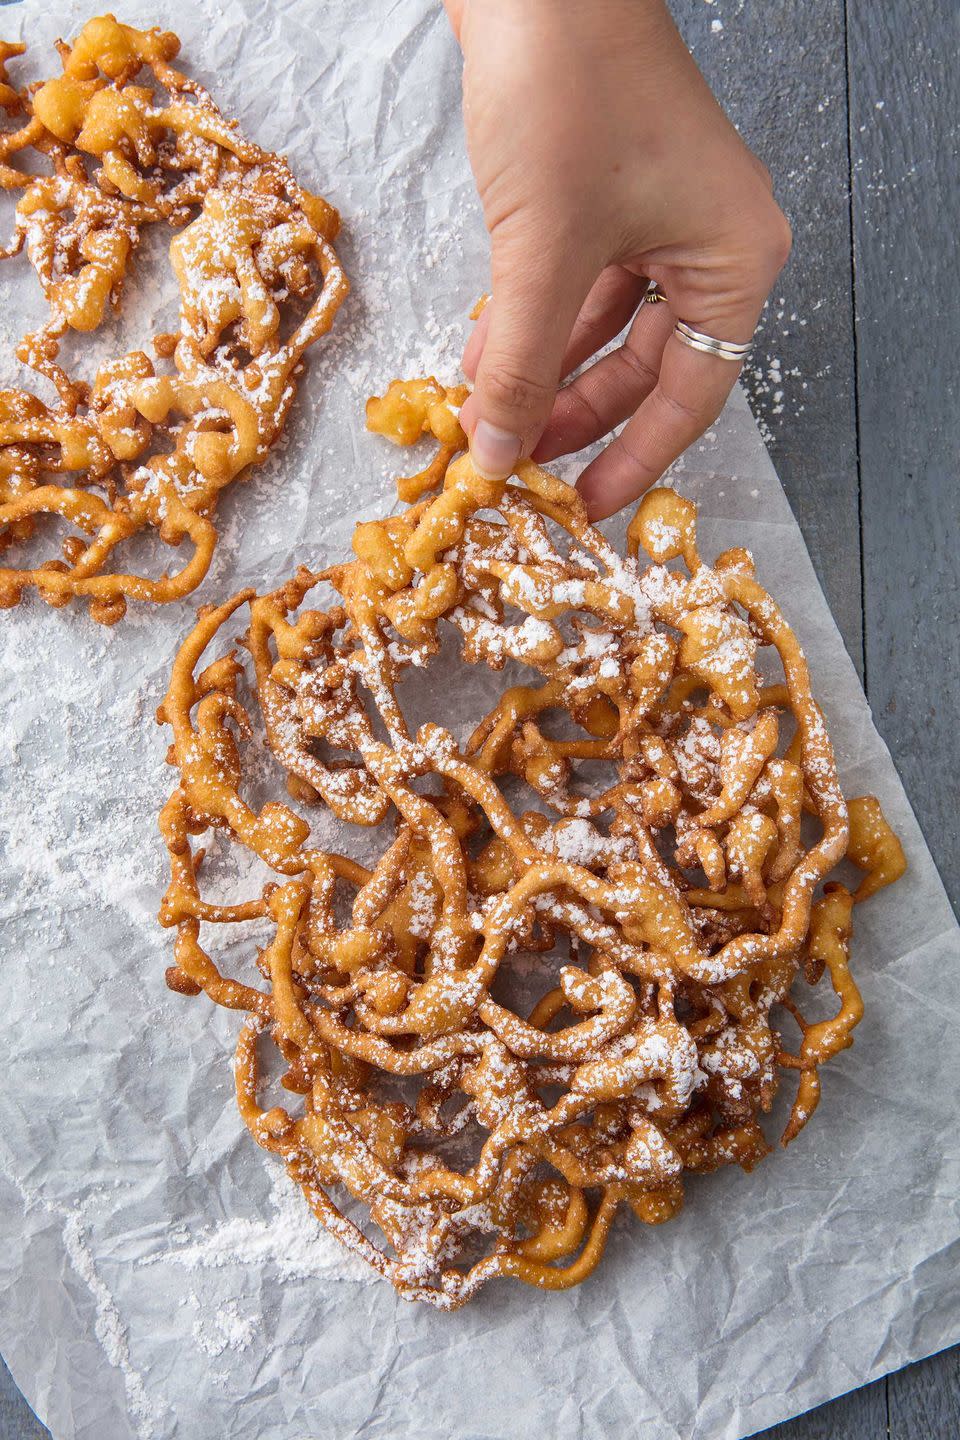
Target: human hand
{"x":603,"y":161}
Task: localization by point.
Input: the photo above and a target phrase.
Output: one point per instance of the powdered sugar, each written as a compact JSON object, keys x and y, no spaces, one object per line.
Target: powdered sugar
{"x":288,"y":1239}
{"x":223,"y":1328}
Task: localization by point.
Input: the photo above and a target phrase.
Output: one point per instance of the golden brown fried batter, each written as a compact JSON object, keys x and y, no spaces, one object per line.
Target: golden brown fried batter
{"x":664,"y":910}
{"x":142,"y":449}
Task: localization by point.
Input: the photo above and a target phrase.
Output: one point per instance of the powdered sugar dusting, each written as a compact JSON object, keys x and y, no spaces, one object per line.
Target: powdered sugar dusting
{"x":109,"y":1328}
{"x":288,"y":1239}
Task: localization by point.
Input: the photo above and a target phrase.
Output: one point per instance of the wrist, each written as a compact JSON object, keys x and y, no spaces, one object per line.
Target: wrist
{"x":648,"y":18}
{"x":629,"y":48}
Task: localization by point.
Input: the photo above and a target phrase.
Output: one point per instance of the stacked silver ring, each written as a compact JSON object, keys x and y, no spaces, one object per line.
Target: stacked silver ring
{"x":707,"y":345}
{"x":696,"y":339}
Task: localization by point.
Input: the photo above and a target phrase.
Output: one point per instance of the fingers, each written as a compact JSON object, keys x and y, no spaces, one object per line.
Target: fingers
{"x":610,"y":390}
{"x":538,"y":290}
{"x":688,"y":397}
{"x":723,"y":301}
{"x":675,"y":391}
{"x":607,"y":308}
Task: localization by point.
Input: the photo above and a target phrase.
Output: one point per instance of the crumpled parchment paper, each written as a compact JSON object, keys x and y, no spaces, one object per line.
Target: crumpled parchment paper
{"x":158,"y":1276}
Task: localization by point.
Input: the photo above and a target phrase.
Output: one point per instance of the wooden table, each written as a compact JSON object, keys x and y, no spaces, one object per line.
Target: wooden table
{"x":855,"y":107}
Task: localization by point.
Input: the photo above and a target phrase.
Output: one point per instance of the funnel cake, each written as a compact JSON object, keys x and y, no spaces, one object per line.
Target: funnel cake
{"x":439,"y":1127}
{"x":130,"y":141}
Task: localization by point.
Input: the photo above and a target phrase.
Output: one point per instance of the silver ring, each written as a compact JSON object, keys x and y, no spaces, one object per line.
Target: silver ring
{"x":707,"y":345}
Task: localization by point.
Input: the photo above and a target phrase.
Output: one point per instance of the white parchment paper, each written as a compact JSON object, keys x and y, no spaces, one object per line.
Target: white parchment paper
{"x":159,"y":1279}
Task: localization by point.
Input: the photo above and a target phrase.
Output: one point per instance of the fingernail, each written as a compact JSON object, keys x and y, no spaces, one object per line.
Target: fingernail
{"x":494,"y":452}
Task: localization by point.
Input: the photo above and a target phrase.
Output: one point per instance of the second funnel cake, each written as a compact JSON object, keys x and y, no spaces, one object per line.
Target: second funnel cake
{"x":121,"y":141}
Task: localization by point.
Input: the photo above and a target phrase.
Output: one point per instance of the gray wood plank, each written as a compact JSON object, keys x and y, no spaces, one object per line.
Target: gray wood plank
{"x":925,"y":1399}
{"x":779,"y":71}
{"x":17,"y":1420}
{"x":905,"y":125}
{"x":861,"y":1415}
{"x":905,"y":142}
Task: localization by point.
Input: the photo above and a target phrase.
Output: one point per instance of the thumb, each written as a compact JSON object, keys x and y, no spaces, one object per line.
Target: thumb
{"x":537,"y":294}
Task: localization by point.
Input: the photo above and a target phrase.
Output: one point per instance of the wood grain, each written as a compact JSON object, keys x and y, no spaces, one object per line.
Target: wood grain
{"x":17,"y":1420}
{"x":924,"y":1399}
{"x":905,"y":122}
{"x":861,"y":1415}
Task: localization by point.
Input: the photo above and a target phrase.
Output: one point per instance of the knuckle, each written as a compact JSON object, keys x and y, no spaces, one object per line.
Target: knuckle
{"x":581,"y":412}
{"x":519,"y":394}
{"x":762,"y":241}
{"x":699,"y":416}
{"x":644,"y":376}
{"x":775,"y":238}
{"x":763,"y":173}
{"x":631,"y":448}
